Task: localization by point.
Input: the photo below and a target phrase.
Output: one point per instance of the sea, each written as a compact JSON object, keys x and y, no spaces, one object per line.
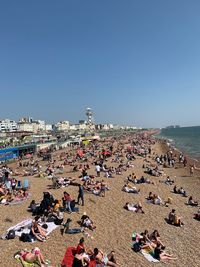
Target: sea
{"x":186,"y":139}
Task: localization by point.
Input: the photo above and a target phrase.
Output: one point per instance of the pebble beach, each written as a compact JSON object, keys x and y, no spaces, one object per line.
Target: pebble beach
{"x":115,"y":225}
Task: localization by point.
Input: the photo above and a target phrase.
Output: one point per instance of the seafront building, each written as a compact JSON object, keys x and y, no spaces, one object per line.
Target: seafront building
{"x":62,"y":126}
{"x":39,"y":126}
{"x":8,"y":125}
{"x":30,"y":125}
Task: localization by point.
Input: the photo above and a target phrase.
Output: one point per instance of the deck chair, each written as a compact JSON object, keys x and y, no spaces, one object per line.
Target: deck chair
{"x":26,"y":184}
{"x":8,"y":185}
{"x":19,"y":184}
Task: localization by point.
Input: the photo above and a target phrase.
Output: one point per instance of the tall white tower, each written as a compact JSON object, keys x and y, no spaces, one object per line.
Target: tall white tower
{"x":90,"y":120}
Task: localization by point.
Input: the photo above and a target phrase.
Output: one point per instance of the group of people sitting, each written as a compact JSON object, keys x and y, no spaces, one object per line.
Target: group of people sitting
{"x":156,"y":199}
{"x":82,"y":257}
{"x":12,"y":191}
{"x":151,"y":242}
{"x":180,"y":191}
{"x":96,"y":187}
{"x":132,"y":178}
{"x":58,"y":182}
{"x":153,"y":171}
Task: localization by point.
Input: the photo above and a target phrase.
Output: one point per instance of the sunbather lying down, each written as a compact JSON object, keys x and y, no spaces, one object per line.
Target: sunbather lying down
{"x":105,"y":259}
{"x":31,"y":257}
{"x":134,"y":207}
{"x":130,"y":189}
{"x":67,"y":230}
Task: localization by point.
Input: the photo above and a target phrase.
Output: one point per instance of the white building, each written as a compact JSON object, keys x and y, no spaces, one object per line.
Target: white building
{"x":62,"y":126}
{"x":26,"y":127}
{"x":116,"y":127}
{"x":73,"y":127}
{"x":8,"y":125}
{"x":48,"y":127}
{"x":40,"y":124}
{"x":30,"y":125}
{"x":104,"y":127}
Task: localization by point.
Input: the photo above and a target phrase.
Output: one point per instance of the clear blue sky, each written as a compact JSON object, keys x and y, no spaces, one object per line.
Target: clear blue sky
{"x":134,"y":62}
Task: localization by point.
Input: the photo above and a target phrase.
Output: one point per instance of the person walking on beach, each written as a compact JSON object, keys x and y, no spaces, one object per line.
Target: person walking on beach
{"x":80,"y":195}
{"x":185,"y":162}
{"x":98,"y":170}
{"x":192,"y":170}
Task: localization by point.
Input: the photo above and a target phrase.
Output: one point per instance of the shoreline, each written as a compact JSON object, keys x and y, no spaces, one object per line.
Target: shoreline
{"x":177,"y":151}
{"x":172,"y":146}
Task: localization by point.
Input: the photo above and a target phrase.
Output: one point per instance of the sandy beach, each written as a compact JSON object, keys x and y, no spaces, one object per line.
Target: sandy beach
{"x":115,"y":225}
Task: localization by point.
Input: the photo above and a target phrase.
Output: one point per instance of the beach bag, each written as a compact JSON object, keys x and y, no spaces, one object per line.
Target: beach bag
{"x":58,"y":221}
{"x":25,"y":238}
{"x":136,"y":247}
{"x":11,"y":234}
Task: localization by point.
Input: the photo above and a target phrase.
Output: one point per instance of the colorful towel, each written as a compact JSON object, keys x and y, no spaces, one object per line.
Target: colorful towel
{"x":25,"y":226}
{"x":69,"y":258}
{"x":17,"y":257}
{"x":148,"y":256}
{"x":15,"y":201}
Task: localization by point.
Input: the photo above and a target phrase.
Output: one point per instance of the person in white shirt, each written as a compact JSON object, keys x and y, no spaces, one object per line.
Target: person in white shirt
{"x":98,"y":170}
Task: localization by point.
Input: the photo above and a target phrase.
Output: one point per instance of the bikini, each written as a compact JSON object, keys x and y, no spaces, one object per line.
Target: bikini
{"x":24,"y":255}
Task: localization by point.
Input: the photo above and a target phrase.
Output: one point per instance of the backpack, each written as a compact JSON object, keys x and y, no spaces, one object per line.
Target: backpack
{"x":25,"y":238}
{"x":11,"y":234}
{"x":136,"y":247}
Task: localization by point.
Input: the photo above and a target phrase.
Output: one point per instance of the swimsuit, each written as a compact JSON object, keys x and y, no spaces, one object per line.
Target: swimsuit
{"x":24,"y":255}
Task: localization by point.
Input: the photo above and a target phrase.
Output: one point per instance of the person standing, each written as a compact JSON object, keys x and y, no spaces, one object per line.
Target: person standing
{"x":67,"y":199}
{"x":185,"y":162}
{"x":98,"y":169}
{"x":80,"y":195}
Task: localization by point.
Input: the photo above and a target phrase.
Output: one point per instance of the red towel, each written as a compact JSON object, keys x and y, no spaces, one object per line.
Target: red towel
{"x":69,"y":257}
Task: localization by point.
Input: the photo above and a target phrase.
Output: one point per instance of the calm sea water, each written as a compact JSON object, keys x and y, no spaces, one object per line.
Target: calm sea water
{"x":186,"y":139}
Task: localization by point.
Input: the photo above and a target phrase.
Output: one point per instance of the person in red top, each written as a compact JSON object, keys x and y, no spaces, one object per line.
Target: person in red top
{"x":80,"y":246}
{"x":68,"y":199}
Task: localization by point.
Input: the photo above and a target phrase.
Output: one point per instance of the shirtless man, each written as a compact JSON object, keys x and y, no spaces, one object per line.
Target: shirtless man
{"x":107,"y":260}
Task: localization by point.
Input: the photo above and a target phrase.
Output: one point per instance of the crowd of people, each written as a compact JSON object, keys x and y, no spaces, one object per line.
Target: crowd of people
{"x":91,"y":167}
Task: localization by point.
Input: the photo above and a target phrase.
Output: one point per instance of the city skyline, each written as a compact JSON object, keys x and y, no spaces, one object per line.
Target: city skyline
{"x":134,"y":63}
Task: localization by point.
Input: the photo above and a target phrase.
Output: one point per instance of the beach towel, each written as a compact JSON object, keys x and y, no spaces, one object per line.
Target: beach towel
{"x":25,"y":226}
{"x":148,"y":256}
{"x":15,"y":201}
{"x":17,"y":257}
{"x":69,"y":258}
{"x":145,"y":252}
